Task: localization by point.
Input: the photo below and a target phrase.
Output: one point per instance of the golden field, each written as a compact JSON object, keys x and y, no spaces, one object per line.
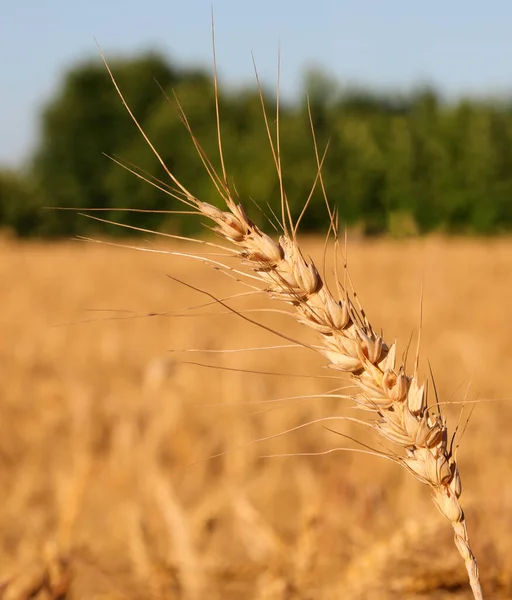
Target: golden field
{"x":107,"y":488}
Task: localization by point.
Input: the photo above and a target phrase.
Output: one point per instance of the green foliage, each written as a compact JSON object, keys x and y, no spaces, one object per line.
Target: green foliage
{"x":397,"y":164}
{"x":18,"y":208}
{"x":85,"y":121}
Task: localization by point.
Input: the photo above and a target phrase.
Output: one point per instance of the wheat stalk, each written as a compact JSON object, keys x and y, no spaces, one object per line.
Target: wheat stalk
{"x":397,"y":402}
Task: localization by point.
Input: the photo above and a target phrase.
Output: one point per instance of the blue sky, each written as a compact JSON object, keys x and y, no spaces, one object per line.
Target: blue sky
{"x":460,"y":46}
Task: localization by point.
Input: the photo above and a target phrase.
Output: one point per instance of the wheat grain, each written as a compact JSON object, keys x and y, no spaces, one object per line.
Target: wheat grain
{"x":396,"y":402}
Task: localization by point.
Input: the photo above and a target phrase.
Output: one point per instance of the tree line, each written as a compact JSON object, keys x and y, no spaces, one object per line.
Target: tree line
{"x":395,"y":163}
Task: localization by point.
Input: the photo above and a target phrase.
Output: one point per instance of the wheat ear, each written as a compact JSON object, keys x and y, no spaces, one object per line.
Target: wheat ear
{"x":397,"y":401}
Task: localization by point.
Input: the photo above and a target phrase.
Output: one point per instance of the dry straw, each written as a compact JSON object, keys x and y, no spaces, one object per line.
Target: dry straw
{"x":396,"y":402}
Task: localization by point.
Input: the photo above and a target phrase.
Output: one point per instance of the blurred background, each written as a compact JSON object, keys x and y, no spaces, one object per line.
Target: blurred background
{"x":107,"y":487}
{"x":416,"y":103}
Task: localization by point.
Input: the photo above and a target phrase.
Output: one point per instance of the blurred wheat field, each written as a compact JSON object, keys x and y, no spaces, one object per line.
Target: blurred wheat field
{"x":107,"y":489}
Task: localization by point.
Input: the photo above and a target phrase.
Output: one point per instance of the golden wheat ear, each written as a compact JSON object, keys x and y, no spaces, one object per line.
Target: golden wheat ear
{"x":396,"y":403}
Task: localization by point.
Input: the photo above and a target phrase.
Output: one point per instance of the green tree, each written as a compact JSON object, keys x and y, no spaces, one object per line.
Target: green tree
{"x":85,"y":120}
{"x":18,"y":209}
{"x":396,"y":163}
